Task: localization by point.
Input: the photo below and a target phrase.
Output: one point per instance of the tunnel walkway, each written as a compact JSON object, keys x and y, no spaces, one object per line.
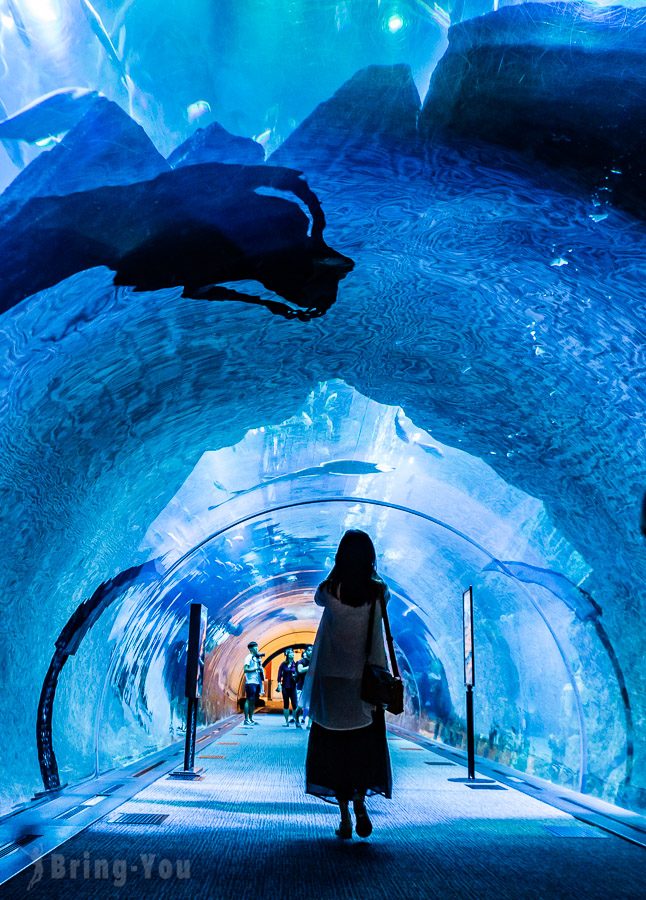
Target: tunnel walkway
{"x":247,"y":829}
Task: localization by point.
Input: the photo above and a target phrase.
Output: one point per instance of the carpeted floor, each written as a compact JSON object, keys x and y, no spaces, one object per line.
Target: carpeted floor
{"x":248,"y":830}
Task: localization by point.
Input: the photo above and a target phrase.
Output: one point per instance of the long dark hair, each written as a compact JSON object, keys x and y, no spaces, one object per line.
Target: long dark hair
{"x":355,"y":568}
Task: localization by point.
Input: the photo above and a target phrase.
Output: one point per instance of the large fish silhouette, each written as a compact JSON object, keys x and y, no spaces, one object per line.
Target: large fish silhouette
{"x":348,"y":467}
{"x":578,"y":600}
{"x":200,"y":227}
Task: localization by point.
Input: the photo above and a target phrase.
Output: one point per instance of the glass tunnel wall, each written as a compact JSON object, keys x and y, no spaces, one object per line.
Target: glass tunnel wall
{"x":213,"y":364}
{"x":537,"y":725}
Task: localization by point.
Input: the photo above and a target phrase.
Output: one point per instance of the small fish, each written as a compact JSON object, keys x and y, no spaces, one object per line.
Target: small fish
{"x":440,"y":16}
{"x":49,"y":115}
{"x":431,"y":449}
{"x":195,"y":111}
{"x":559,"y":261}
{"x":403,"y":435}
{"x":48,"y":142}
{"x":19,"y":22}
{"x":578,"y":600}
{"x":400,"y":431}
{"x":99,"y":29}
{"x":329,"y":424}
{"x":263,"y":137}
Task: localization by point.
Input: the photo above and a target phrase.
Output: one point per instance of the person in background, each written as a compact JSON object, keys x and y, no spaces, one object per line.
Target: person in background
{"x":347,"y":752}
{"x":286,"y":682}
{"x":302,"y":666}
{"x":254,"y":677}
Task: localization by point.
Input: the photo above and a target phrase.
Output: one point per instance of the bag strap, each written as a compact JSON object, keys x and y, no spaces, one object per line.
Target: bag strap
{"x":371,"y":624}
{"x":389,"y":637}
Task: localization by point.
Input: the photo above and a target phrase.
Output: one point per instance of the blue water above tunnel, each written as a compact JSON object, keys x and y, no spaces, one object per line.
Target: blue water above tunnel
{"x":328,"y":277}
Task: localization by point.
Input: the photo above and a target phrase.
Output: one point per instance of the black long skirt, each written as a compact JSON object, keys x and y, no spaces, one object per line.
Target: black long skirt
{"x":344,"y":764}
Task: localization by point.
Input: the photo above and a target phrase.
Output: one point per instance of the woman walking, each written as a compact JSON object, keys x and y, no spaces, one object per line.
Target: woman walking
{"x":347,"y":753}
{"x":286,"y":681}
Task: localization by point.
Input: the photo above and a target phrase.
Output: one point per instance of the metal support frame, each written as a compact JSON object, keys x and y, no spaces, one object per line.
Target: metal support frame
{"x":193,"y":690}
{"x":77,"y":626}
{"x":471,"y":743}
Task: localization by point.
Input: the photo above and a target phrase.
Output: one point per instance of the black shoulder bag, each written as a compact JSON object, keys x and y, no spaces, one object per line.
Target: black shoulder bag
{"x":378,"y":686}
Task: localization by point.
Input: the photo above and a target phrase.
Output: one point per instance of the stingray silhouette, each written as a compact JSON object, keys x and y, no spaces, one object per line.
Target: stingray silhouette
{"x":199,"y":227}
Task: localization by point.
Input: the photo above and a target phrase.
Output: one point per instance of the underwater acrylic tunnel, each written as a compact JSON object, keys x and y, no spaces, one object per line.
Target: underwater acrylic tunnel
{"x":420,"y":227}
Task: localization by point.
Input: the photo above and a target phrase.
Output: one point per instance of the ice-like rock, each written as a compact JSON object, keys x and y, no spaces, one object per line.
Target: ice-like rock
{"x":216,"y":144}
{"x":379,"y":104}
{"x":106,"y":147}
{"x":49,"y":116}
{"x":555,"y":80}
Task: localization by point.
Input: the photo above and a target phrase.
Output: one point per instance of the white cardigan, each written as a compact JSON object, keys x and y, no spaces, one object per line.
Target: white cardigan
{"x":332,"y":688}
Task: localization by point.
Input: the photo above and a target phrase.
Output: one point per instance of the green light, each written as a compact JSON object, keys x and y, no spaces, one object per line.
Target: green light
{"x":395,"y":22}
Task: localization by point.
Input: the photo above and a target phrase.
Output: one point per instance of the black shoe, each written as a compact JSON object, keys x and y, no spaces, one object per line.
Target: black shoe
{"x":363,"y":825}
{"x":344,"y":831}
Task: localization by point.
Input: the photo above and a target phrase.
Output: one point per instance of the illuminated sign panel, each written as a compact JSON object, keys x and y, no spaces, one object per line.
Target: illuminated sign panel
{"x":195,"y":656}
{"x":467,"y":620}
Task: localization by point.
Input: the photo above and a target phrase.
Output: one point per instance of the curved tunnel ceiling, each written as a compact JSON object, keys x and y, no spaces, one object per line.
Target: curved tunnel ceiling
{"x":254,"y":555}
{"x":521,"y":632}
{"x":474,"y":399}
